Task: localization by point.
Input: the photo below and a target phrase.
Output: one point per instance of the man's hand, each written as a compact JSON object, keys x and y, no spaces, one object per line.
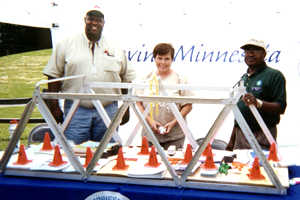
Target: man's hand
{"x":53,"y":104}
{"x":268,"y":107}
{"x":249,"y":99}
{"x":58,"y":114}
{"x":55,"y":110}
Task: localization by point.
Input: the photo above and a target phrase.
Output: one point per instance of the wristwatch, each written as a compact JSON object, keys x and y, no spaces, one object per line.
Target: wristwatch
{"x":259,"y":103}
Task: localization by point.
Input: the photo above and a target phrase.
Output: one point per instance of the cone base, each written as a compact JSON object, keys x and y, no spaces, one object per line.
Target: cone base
{"x":209,"y":172}
{"x":22,"y":163}
{"x":184,"y":162}
{"x":85,"y":165}
{"x":209,"y":167}
{"x":141,"y":153}
{"x":156,"y":165}
{"x":256,"y":177}
{"x":47,"y":150}
{"x":120,"y":168}
{"x":57,"y":165}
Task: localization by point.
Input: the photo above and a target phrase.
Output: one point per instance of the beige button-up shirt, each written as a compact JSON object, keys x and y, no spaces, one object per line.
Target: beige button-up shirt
{"x":73,"y":56}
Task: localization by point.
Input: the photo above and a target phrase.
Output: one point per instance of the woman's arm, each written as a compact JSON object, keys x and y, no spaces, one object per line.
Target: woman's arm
{"x":152,"y":123}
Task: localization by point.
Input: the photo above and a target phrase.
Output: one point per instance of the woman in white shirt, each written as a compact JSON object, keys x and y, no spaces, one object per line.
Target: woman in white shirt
{"x":164,"y":124}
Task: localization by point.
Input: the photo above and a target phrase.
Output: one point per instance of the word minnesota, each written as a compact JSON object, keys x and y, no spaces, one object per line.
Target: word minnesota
{"x":197,"y":54}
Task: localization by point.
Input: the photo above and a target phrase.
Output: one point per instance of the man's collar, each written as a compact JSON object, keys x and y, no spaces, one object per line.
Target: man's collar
{"x":258,"y":68}
{"x":90,"y":43}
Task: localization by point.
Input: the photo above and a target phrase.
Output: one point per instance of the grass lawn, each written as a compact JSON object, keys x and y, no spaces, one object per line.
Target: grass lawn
{"x":18,"y":75}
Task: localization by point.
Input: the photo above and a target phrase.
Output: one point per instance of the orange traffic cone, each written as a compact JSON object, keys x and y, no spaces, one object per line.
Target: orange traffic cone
{"x":273,"y":153}
{"x":22,"y":158}
{"x":57,"y":158}
{"x":209,"y":161}
{"x":255,"y":173}
{"x":207,"y":150}
{"x":88,"y":156}
{"x":152,"y":162}
{"x":120,"y":165}
{"x":188,"y":155}
{"x":145,"y":147}
{"x":47,"y":144}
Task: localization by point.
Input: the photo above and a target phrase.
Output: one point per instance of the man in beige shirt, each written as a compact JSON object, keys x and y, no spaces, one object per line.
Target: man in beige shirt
{"x":90,"y":54}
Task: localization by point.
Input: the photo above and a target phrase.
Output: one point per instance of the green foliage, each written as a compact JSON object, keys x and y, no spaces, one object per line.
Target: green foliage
{"x":18,"y":75}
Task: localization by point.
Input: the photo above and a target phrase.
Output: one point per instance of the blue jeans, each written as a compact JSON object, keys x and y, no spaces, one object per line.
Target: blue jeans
{"x":86,"y":124}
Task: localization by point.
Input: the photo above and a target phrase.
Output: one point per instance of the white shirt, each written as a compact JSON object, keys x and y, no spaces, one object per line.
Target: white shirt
{"x":73,"y":56}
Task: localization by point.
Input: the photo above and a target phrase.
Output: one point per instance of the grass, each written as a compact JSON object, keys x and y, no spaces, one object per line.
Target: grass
{"x":18,"y":75}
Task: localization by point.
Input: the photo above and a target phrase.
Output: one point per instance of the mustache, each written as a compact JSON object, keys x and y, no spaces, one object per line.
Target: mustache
{"x":93,"y":36}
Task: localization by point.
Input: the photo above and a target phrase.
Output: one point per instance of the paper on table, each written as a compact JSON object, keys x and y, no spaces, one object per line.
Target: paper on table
{"x":286,"y":155}
{"x":42,"y":163}
{"x":182,"y":167}
{"x":37,"y":149}
{"x":101,"y":163}
{"x":13,"y":159}
{"x":139,"y":170}
{"x":242,"y":156}
{"x":30,"y":156}
{"x":209,"y":172}
{"x":218,"y":155}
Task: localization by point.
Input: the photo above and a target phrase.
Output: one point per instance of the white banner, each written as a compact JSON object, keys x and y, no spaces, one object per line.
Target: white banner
{"x":206,"y":36}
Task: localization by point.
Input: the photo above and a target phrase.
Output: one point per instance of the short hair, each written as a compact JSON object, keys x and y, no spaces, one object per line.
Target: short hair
{"x":163,"y":49}
{"x":95,"y":13}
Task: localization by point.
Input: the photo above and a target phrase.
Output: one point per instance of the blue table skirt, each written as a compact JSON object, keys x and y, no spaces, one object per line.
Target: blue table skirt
{"x":40,"y":188}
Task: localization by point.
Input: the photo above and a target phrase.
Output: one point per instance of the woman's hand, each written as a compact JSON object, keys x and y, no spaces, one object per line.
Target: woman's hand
{"x":168,"y":126}
{"x":154,"y":125}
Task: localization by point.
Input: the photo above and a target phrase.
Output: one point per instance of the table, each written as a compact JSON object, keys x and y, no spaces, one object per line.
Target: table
{"x":13,"y":187}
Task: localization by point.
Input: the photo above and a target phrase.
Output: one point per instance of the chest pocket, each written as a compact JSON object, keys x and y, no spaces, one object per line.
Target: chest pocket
{"x":111,"y":68}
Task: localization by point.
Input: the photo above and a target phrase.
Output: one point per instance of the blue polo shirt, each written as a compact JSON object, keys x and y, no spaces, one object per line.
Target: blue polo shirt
{"x":267,"y":84}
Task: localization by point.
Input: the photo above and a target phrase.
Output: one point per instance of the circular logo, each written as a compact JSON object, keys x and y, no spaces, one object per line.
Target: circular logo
{"x":258,"y":83}
{"x":105,"y":195}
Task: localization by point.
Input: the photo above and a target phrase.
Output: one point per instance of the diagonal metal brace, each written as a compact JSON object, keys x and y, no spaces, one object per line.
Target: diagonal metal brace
{"x":17,"y":134}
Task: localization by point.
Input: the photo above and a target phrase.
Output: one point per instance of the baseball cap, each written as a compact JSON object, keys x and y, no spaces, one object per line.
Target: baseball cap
{"x":91,"y":6}
{"x":256,"y":43}
{"x":96,"y":10}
